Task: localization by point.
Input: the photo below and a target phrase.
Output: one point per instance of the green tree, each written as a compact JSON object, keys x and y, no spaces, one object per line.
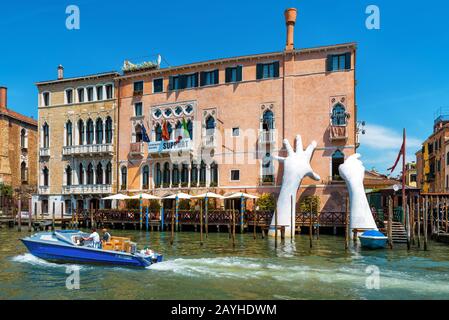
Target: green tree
{"x":310,"y":202}
{"x":266,"y":202}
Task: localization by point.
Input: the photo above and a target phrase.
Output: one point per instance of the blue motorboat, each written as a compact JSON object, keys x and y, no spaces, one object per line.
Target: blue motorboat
{"x":373,"y":239}
{"x":69,"y":246}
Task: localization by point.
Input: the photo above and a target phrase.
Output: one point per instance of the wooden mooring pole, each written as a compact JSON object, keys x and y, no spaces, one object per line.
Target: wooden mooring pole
{"x":255,"y":223}
{"x":201,"y":224}
{"x":419,"y":221}
{"x":19,"y":209}
{"x":311,"y":224}
{"x":390,"y":222}
{"x":292,"y":224}
{"x":172,"y":227}
{"x":275,"y":229}
{"x":233,"y":225}
{"x":30,"y":215}
{"x":446,"y":229}
{"x":426,"y":208}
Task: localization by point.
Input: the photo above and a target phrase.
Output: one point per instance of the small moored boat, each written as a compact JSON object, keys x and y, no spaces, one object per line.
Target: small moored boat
{"x":69,"y":246}
{"x":373,"y":239}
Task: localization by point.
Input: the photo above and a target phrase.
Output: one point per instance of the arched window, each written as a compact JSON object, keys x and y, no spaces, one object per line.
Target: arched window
{"x":99,"y":174}
{"x":24,"y":172}
{"x":158,"y":178}
{"x":338,"y":115}
{"x":108,"y":130}
{"x":90,"y":174}
{"x":166,"y":175}
{"x":190,"y":128}
{"x":45,"y":173}
{"x":158,"y":131}
{"x":68,"y":175}
{"x":90,"y":131}
{"x":109,"y":173}
{"x":175,"y":175}
{"x":268,"y":120}
{"x":81,"y":174}
{"x":145,"y":177}
{"x":194,"y":175}
{"x":139,"y":135}
{"x":210,"y":123}
{"x":99,"y":131}
{"x":185,"y":174}
{"x":68,"y":133}
{"x":80,"y":132}
{"x":124,"y":178}
{"x":170,"y":130}
{"x":338,"y":158}
{"x":46,"y":132}
{"x":23,"y":136}
{"x":214,"y":174}
{"x":202,"y":174}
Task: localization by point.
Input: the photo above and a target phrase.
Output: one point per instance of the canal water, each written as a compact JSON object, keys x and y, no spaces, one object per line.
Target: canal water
{"x":254,"y":269}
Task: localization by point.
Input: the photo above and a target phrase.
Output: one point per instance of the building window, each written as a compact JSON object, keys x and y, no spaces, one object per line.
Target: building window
{"x":213,"y":175}
{"x":138,"y":87}
{"x":174,"y":83}
{"x":90,"y":94}
{"x":158,"y":85}
{"x":338,"y":158}
{"x":90,"y":131}
{"x":233,"y":74}
{"x":339,"y":62}
{"x":108,"y":130}
{"x":184,"y":175}
{"x":139,"y":133}
{"x":68,"y":173}
{"x":69,"y":96}
{"x":99,"y":174}
{"x":268,"y":120}
{"x":338,"y":115}
{"x":202,"y":174}
{"x":80,"y":95}
{"x":23,"y":139}
{"x":158,"y":178}
{"x":68,"y":133}
{"x":235,"y":132}
{"x":190,"y":129}
{"x":145,"y":177}
{"x":166,"y":176}
{"x":175,"y":175}
{"x":109,"y":173}
{"x":123,"y":178}
{"x":235,"y":175}
{"x":191,"y":80}
{"x":109,"y":91}
{"x":138,"y":109}
{"x":210,"y":123}
{"x":90,"y":174}
{"x":158,"y":131}
{"x":194,"y":175}
{"x":267,"y":70}
{"x":209,"y":78}
{"x":100,"y":93}
{"x":46,"y":132}
{"x":24,"y":172}
{"x":46,"y":99}
{"x":81,"y":174}
{"x":99,"y":131}
{"x":45,"y":173}
{"x":80,"y":132}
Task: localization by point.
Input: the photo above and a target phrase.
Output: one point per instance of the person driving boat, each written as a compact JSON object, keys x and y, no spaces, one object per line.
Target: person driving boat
{"x":94,"y":237}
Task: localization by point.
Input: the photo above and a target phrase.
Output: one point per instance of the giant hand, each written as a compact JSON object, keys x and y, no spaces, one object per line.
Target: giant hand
{"x":353,"y":172}
{"x":296,"y":167}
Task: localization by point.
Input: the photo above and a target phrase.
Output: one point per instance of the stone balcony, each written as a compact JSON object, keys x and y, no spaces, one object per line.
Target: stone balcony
{"x":338,"y":133}
{"x":88,"y":189}
{"x":136,"y":149}
{"x":210,"y":141}
{"x":267,"y":136}
{"x":88,"y":149}
{"x":44,"y":190}
{"x":44,"y":152}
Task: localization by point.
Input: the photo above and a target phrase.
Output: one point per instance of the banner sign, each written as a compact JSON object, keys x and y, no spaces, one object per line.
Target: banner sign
{"x":169,"y":146}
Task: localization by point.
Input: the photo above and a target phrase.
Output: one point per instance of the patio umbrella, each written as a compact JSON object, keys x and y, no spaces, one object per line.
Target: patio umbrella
{"x":180,"y":195}
{"x":118,"y":196}
{"x":145,"y":196}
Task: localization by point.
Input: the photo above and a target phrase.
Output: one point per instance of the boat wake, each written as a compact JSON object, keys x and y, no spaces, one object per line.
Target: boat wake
{"x":28,"y":258}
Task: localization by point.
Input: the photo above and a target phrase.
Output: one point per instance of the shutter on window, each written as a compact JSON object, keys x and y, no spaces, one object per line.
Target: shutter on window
{"x":239,"y":73}
{"x":182,"y":81}
{"x":196,"y":79}
{"x":348,"y":61}
{"x":329,"y":63}
{"x":228,"y":75}
{"x":202,"y":78}
{"x":216,"y":76}
{"x":259,"y":69}
{"x":170,"y":83}
{"x":276,"y":69}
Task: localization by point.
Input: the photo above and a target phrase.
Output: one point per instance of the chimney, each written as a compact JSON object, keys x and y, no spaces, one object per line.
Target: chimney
{"x":60,"y":72}
{"x":3,"y":98}
{"x":290,"y":20}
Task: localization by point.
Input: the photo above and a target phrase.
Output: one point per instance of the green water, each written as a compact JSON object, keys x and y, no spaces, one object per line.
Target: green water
{"x":253,"y":270}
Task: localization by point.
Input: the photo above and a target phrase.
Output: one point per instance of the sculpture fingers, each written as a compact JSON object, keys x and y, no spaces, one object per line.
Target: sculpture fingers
{"x":310,"y":149}
{"x":288,"y":147}
{"x":299,"y":147}
{"x":314,"y":176}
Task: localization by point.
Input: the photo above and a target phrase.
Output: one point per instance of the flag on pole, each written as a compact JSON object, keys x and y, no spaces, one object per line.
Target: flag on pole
{"x":145,"y":136}
{"x":165,"y":133}
{"x":401,"y":153}
{"x":185,"y":129}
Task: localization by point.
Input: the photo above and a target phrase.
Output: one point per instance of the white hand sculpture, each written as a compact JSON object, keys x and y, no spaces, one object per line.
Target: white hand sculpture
{"x":353,"y":172}
{"x":296,"y":167}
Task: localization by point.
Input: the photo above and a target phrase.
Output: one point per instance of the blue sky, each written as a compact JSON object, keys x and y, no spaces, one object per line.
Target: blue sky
{"x":402,"y":69}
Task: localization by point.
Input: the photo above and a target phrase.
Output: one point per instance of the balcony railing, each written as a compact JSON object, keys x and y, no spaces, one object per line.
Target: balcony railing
{"x":338,"y":133}
{"x":267,"y":136}
{"x":87,"y":189}
{"x":44,"y":152}
{"x":136,"y":149}
{"x":335,"y":179}
{"x":88,"y":149}
{"x":209,"y":141}
{"x":267,"y":180}
{"x":44,"y":189}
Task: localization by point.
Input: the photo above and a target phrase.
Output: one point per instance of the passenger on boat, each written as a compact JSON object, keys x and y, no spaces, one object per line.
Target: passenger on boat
{"x":106,"y":235}
{"x":95,"y":238}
